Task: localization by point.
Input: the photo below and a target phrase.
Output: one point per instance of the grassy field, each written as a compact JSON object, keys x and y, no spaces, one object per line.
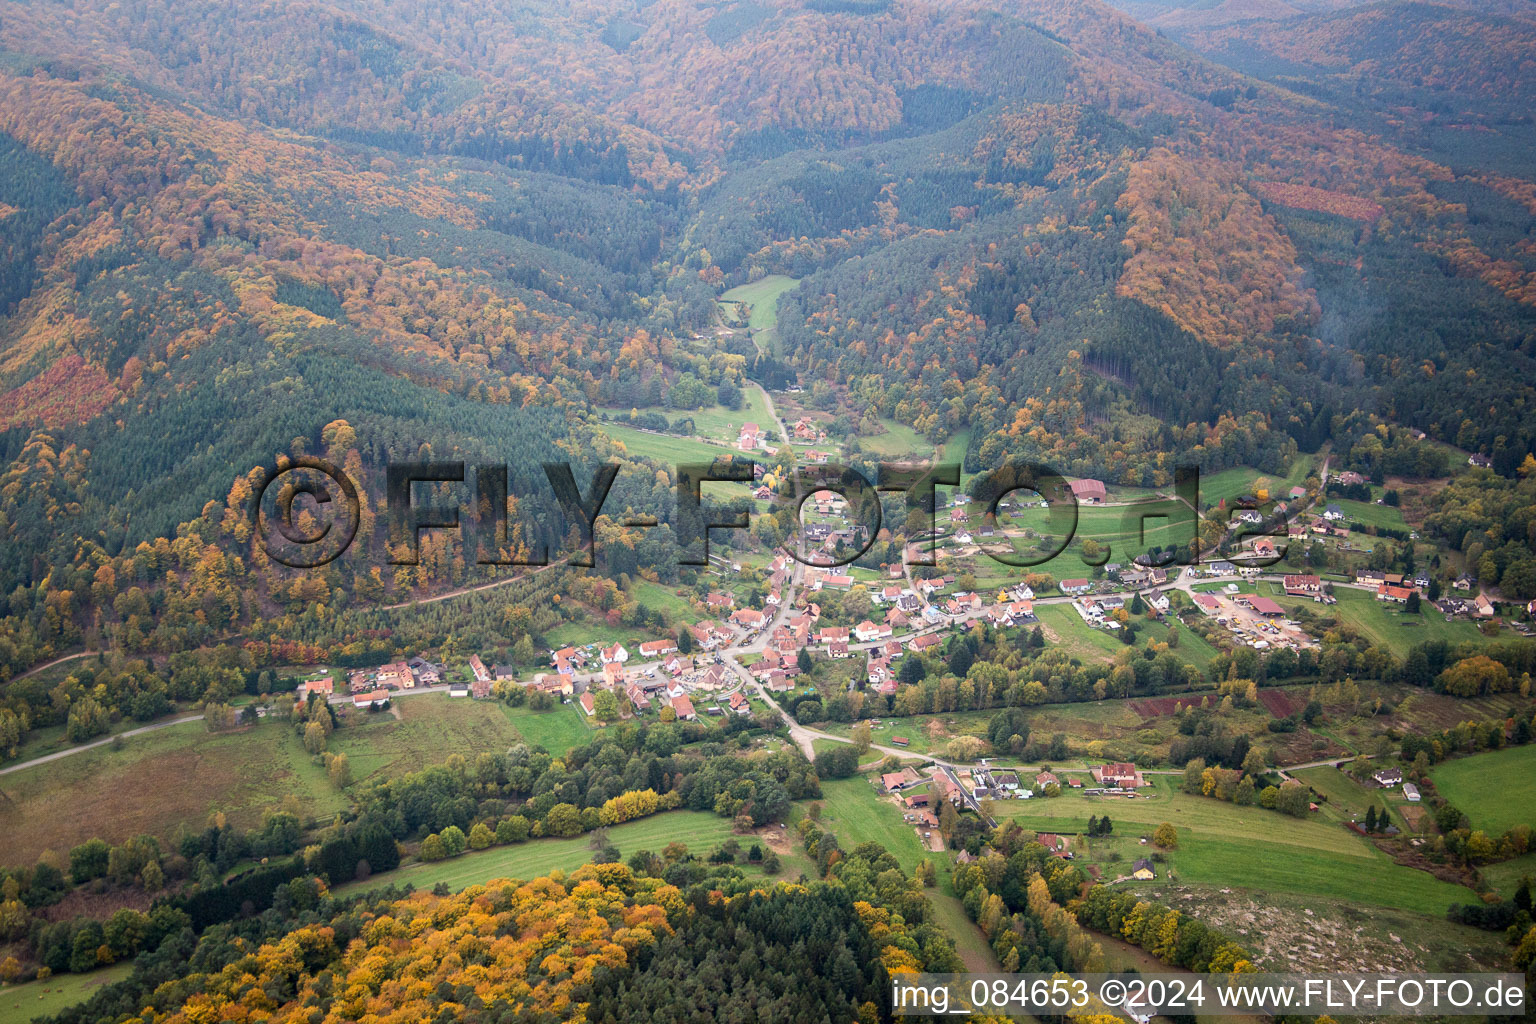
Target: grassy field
{"x":156,"y":782}
{"x":665,"y":599}
{"x":592,"y":631}
{"x":1370,"y":514}
{"x":1249,"y":847}
{"x":762,"y":296}
{"x":1074,"y":635}
{"x":665,"y":448}
{"x":182,"y":774}
{"x":421,"y":730}
{"x":556,"y":730}
{"x":1240,"y":480}
{"x":1497,"y":790}
{"x":715,"y":421}
{"x":1506,"y":875}
{"x":855,"y":813}
{"x":699,"y":830}
{"x":897,"y":439}
{"x":21,"y":1003}
{"x":1128,"y":530}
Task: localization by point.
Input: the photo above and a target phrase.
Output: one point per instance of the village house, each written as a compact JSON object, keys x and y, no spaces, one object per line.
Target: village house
{"x":1300,"y":585}
{"x":1482,"y":607}
{"x":718,"y":602}
{"x":1398,"y":595}
{"x":322,"y":685}
{"x":560,"y":684}
{"x":395,"y":676}
{"x":684,"y":708}
{"x":588,"y":703}
{"x":1117,"y":775}
{"x":1054,"y":845}
{"x":653,"y":649}
{"x":1389,"y":777}
{"x":567,"y":654}
{"x":868,"y":632}
{"x":371,"y":699}
{"x":925,"y":642}
{"x":1074,"y":587}
{"x":638,"y":697}
{"x":1142,"y":870}
{"x":748,"y":618}
{"x":1333,"y":513}
{"x":478,"y":669}
{"x":749,"y":437}
{"x":616,"y":653}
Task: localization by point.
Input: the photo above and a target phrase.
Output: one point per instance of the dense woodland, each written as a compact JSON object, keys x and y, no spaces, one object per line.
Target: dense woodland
{"x":378,"y":236}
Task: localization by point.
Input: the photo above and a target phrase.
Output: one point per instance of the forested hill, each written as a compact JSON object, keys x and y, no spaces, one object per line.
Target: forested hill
{"x":449,"y":230}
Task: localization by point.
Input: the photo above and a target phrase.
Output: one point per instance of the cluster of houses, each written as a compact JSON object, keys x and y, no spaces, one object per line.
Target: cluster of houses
{"x":752,"y":438}
{"x":373,"y":688}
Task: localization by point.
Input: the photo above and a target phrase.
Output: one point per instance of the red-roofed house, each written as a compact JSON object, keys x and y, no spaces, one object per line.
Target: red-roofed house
{"x":657,"y":648}
{"x":1090,"y":491}
{"x":684,"y":708}
{"x":1303,"y":586}
{"x":1119,"y":775}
